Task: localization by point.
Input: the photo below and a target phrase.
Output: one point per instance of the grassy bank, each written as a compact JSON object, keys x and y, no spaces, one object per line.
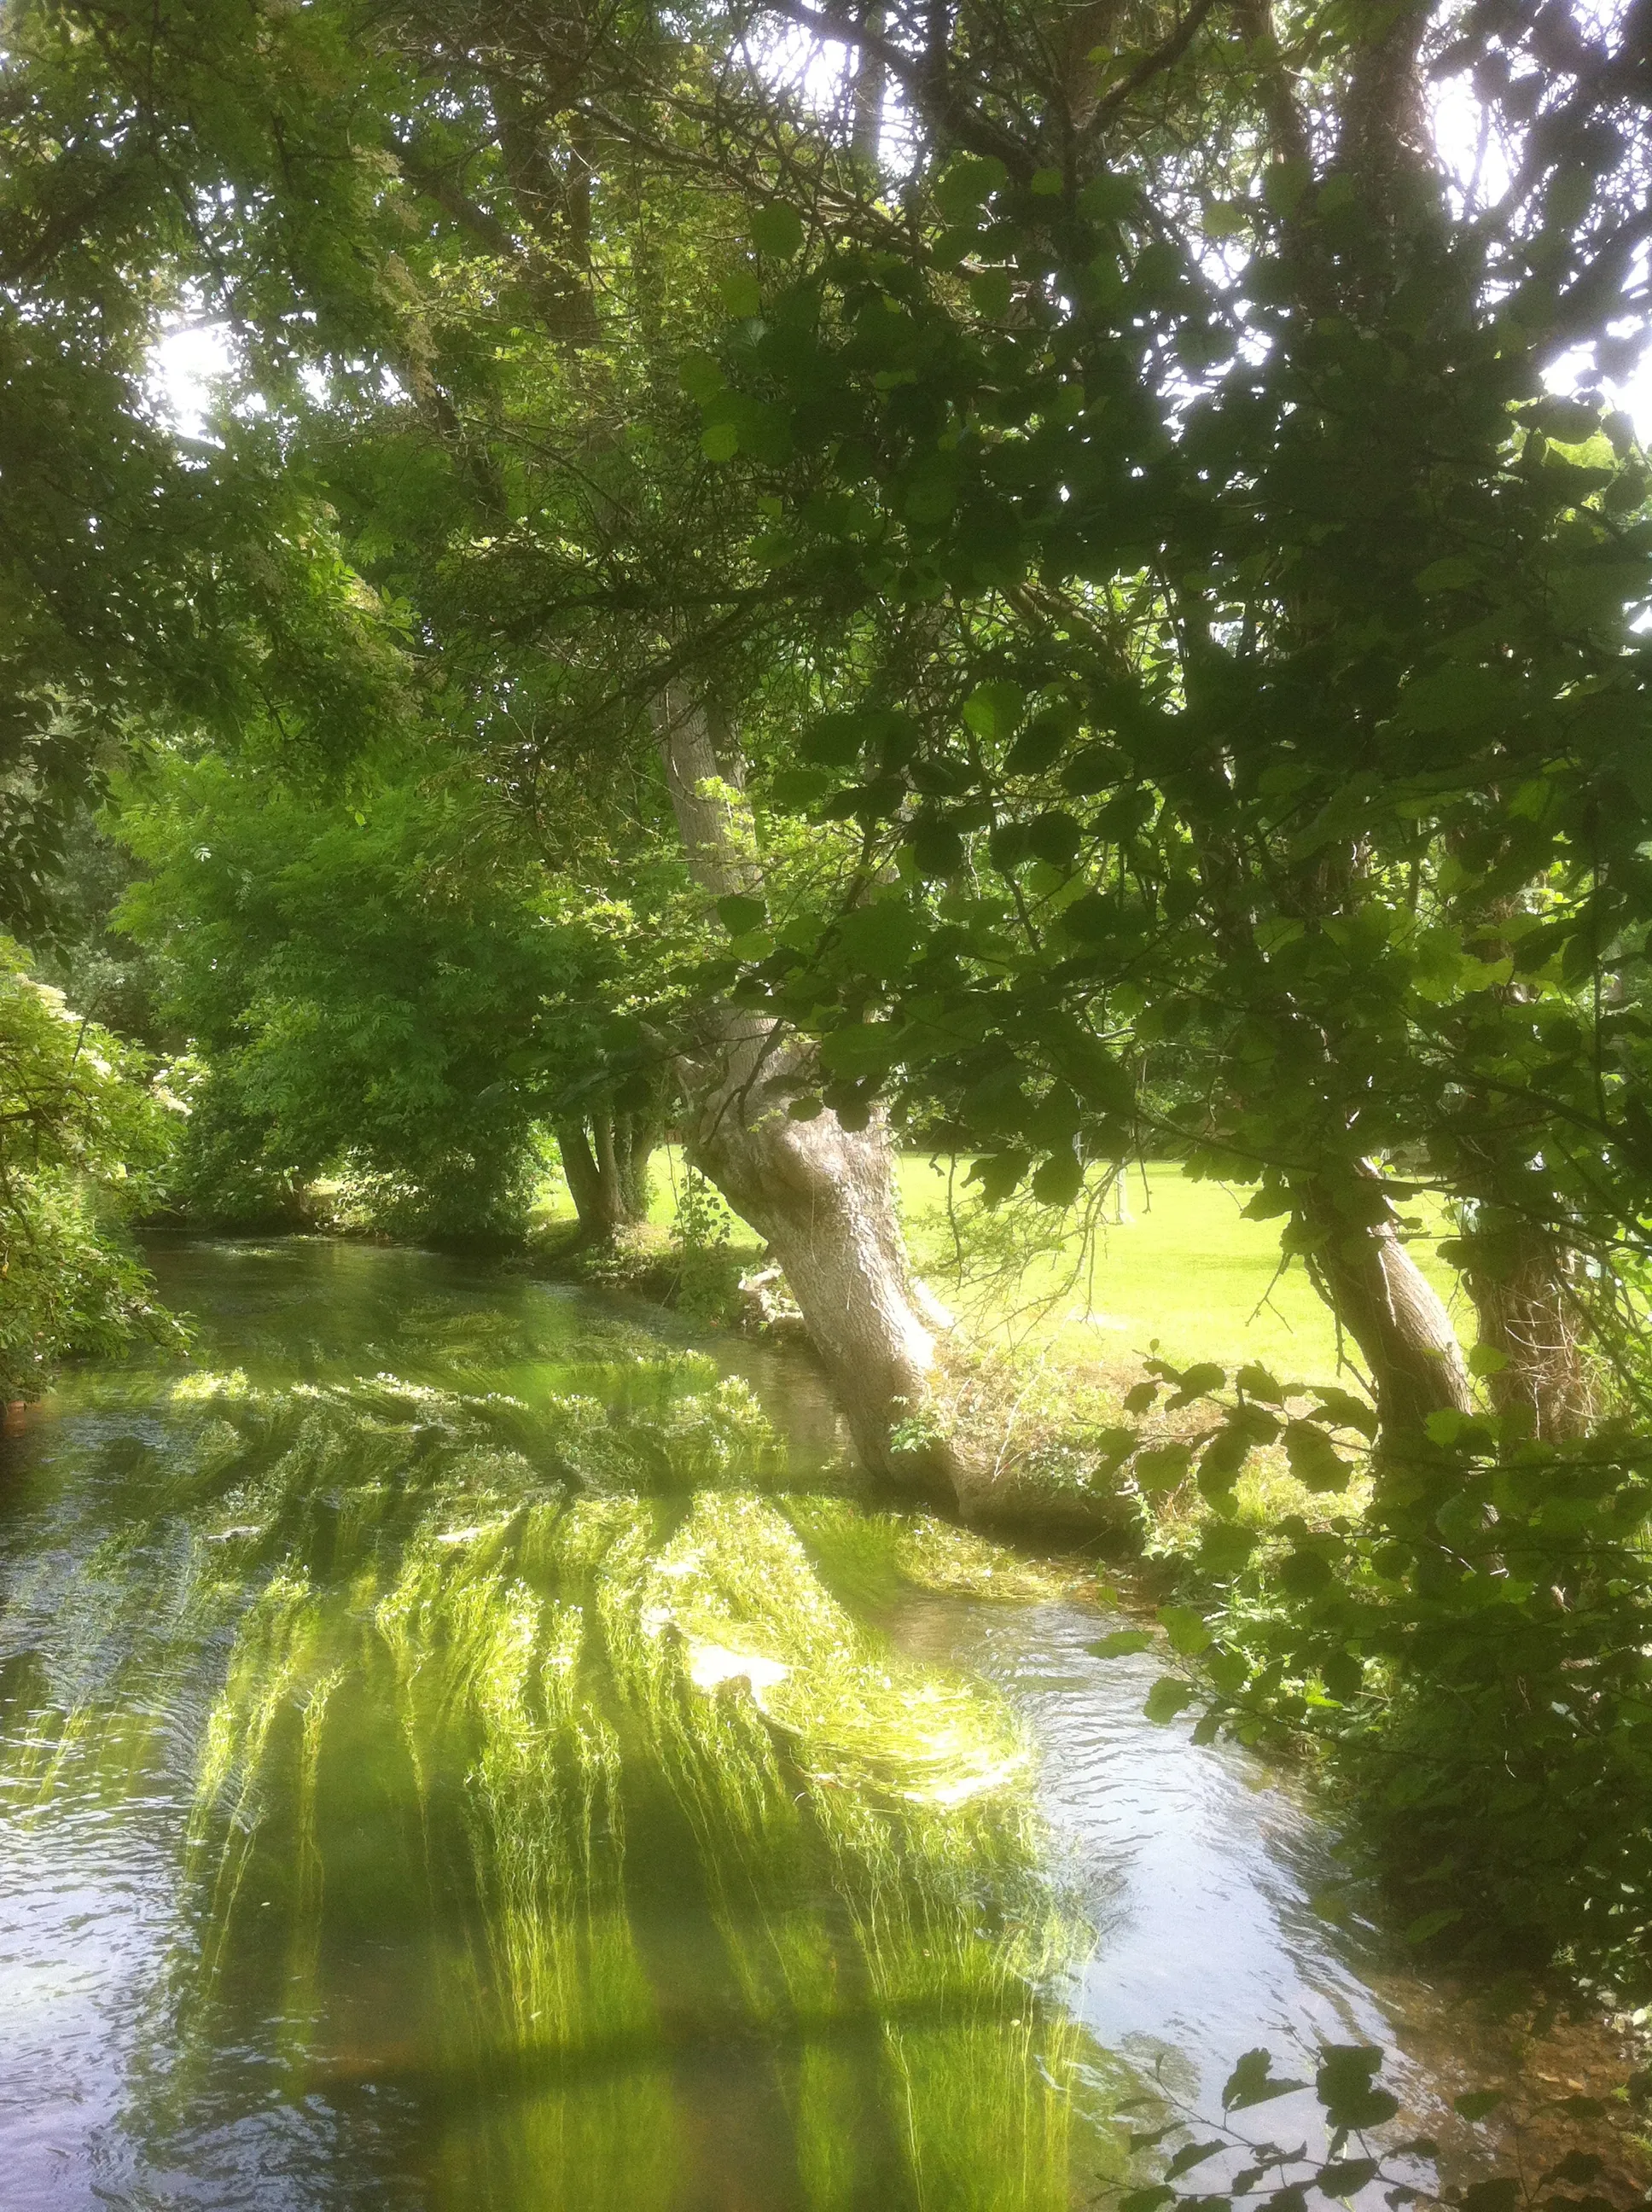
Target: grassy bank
{"x":1182,"y":1266}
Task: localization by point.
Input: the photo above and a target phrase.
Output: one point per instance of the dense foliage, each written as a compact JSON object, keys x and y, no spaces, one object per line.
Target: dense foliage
{"x":84,"y":1143}
{"x":379,"y":988}
{"x":1119,"y":615}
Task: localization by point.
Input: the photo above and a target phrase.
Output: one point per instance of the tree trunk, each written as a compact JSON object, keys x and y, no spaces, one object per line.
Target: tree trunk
{"x":635,"y":1135}
{"x":867,"y":133}
{"x":1528,"y":1311}
{"x":821,"y":1195}
{"x":597,"y":1160}
{"x":1385,"y":1303}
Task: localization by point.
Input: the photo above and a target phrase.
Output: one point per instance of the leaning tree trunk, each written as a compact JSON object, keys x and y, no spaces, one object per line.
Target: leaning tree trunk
{"x":823,"y":1196}
{"x":1381,"y":1298}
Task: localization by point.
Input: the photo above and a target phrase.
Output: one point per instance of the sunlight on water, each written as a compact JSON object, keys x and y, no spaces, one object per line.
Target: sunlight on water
{"x":459,"y":1772}
{"x":463,"y":1748}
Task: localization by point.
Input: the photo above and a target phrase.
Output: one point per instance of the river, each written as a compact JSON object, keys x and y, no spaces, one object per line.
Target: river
{"x":467,"y":1743}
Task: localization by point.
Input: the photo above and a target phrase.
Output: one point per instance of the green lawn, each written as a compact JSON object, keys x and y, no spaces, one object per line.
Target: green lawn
{"x":1183,"y":1266}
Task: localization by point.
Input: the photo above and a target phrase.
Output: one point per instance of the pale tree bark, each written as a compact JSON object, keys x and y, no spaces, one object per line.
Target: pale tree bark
{"x":1527,"y":1309}
{"x":1387,"y":1305}
{"x":823,"y":1196}
{"x":867,"y":133}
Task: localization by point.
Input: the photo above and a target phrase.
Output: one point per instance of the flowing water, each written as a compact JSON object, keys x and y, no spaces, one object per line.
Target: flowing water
{"x":462,"y":1745}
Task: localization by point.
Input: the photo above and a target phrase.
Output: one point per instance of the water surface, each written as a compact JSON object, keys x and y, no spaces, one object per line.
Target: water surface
{"x":463,"y":1744}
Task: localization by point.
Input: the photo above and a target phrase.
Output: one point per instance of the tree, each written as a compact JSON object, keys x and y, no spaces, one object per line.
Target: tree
{"x":1150,"y":405}
{"x":136,"y":156}
{"x":84,"y":1143}
{"x":380,"y":984}
{"x":1260,"y":665}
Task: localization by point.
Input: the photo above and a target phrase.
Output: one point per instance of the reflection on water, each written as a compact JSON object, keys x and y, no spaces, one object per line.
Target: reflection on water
{"x":1223,"y":1918}
{"x":446,"y":1761}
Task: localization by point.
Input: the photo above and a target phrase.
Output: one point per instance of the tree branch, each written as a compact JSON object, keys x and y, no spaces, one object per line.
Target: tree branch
{"x":1162,"y":57}
{"x":940,"y":100}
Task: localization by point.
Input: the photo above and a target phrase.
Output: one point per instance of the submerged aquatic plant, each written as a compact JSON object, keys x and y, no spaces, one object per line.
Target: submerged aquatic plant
{"x":582,"y":1688}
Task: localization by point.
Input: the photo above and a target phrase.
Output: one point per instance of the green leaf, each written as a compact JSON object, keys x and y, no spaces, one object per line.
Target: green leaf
{"x":1314,"y":1460}
{"x":1455,"y":574}
{"x":1346,"y":2176}
{"x":765,"y":432}
{"x":1577,"y":2167}
{"x":720,"y":443}
{"x":741,"y":294}
{"x":937,"y":848}
{"x":1187,"y":1629}
{"x":1166,"y":1699}
{"x":1190,"y":2155}
{"x":702,"y":377}
{"x":1487,"y":1359}
{"x":1304,"y":1574}
{"x":1043,"y":742}
{"x":997,"y":1174}
{"x":777,"y":231}
{"x":993,"y":710}
{"x":880,"y":940}
{"x":1284,"y":183}
{"x":1158,"y":271}
{"x":965,"y":183}
{"x":1346,"y":2087}
{"x":835,"y":741}
{"x":1198,"y":1382}
{"x":737,"y":913}
{"x":1346,"y":1410}
{"x":1096,"y":768}
{"x":860,"y":1049}
{"x":1109,"y":198}
{"x":1253,"y":2082}
{"x":1571,"y":421}
{"x":1224,"y":1546}
{"x":1475,"y":2104}
{"x":1121,"y":1643}
{"x":1502,"y":2195}
{"x":991,"y":292}
{"x":1059,"y":1180}
{"x":1054,"y":837}
{"x":1163,"y":1468}
{"x":800,"y":786}
{"x":1431,"y":1923}
{"x":1256,"y":1383}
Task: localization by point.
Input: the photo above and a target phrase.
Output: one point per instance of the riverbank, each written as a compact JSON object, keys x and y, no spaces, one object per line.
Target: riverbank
{"x":1053,"y":1334}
